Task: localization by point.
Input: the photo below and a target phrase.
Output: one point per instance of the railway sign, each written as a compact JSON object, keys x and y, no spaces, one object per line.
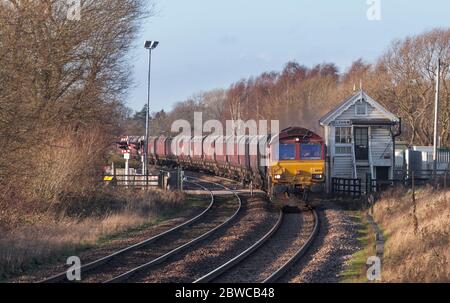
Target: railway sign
{"x":126,"y":156}
{"x":342,"y":123}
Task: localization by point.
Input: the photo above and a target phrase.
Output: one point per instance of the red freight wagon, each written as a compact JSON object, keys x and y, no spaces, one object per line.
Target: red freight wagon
{"x":183,"y":147}
{"x":151,"y":148}
{"x":243,"y":151}
{"x":175,"y":148}
{"x":220,"y":147}
{"x":169,"y":152}
{"x":255,"y":145}
{"x":161,"y":147}
{"x":209,"y":148}
{"x":253,"y":152}
{"x":232,"y":150}
{"x":197,"y":148}
{"x":151,"y":145}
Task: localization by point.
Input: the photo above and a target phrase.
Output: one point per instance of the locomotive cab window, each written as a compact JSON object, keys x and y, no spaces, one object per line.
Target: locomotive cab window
{"x":311,"y":151}
{"x":287,"y":151}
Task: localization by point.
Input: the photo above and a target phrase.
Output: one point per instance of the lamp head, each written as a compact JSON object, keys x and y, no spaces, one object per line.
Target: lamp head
{"x":151,"y":44}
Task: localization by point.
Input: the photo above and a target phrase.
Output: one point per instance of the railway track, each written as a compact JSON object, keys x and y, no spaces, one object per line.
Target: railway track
{"x":267,"y":260}
{"x":196,"y":268}
{"x":257,"y":263}
{"x":123,"y":264}
{"x":302,"y":250}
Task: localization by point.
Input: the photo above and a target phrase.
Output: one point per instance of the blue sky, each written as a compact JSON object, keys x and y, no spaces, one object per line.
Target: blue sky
{"x":206,"y":44}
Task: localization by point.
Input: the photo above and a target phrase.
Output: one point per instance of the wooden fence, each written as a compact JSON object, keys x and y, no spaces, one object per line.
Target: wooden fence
{"x":134,"y":181}
{"x":350,"y":187}
{"x":407,"y":179}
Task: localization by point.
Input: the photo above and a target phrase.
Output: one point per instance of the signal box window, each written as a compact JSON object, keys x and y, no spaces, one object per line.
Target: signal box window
{"x":343,"y":150}
{"x":311,"y":151}
{"x":287,"y":151}
{"x":343,"y":135}
{"x":361,"y":109}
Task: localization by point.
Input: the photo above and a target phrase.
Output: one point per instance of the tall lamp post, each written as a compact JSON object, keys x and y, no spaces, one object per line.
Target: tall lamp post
{"x":150,"y":45}
{"x":436,"y":115}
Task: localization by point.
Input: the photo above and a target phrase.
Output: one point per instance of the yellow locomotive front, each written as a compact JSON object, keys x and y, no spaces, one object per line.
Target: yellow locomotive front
{"x":297,"y":162}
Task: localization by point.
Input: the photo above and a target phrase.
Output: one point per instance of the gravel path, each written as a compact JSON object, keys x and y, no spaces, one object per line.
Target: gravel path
{"x":283,"y":245}
{"x":332,"y":249}
{"x":255,"y":220}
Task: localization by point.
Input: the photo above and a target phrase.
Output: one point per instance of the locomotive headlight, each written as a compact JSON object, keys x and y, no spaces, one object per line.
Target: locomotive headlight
{"x":277,"y":177}
{"x":317,"y":176}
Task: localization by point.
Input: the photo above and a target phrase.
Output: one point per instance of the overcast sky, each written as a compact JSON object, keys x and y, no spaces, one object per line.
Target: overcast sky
{"x":206,"y":44}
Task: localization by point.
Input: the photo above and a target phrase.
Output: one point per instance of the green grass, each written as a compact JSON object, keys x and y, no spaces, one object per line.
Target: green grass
{"x":357,"y":270}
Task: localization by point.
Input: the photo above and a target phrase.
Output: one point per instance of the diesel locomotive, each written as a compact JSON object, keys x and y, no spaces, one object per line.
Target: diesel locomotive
{"x":292,"y":161}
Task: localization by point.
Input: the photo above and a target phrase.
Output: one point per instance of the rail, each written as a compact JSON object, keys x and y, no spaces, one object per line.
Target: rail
{"x":95,"y":264}
{"x":223,"y":269}
{"x":299,"y":254}
{"x":127,"y":275}
{"x":239,"y":258}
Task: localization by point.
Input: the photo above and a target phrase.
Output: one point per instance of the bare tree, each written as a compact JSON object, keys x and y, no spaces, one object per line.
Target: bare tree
{"x":406,"y":81}
{"x":61,"y":77}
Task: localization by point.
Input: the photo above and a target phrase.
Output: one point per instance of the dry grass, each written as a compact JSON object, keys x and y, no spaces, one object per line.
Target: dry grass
{"x":69,"y":229}
{"x":415,"y":252}
{"x":69,"y":165}
{"x":54,"y":204}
